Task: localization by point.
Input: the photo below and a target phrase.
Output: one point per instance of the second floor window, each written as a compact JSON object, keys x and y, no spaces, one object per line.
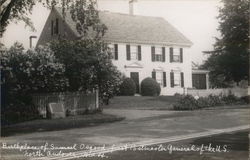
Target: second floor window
{"x":114,"y":51}
{"x":158,"y":54}
{"x":133,"y":52}
{"x":176,"y":55}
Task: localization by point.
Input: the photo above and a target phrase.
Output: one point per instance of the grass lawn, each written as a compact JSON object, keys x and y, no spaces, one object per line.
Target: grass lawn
{"x":59,"y":124}
{"x":142,"y":102}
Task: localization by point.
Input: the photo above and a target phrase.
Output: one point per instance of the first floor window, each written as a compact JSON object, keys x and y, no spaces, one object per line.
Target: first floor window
{"x":177,"y":79}
{"x":159,"y":78}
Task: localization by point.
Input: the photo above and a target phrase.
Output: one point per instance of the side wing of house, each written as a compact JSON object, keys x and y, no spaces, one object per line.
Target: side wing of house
{"x":54,"y":28}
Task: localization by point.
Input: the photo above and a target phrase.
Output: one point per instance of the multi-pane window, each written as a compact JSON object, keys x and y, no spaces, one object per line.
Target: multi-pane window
{"x":176,"y":55}
{"x":158,"y":54}
{"x":113,"y":49}
{"x":159,"y":78}
{"x":134,"y":52}
{"x":177,"y":79}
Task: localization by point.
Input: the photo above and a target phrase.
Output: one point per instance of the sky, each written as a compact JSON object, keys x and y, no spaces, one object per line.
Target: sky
{"x":196,"y":19}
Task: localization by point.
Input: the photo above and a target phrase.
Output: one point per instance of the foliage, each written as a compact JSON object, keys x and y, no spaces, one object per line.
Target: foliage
{"x":149,"y":87}
{"x":83,"y":12}
{"x":127,"y":88}
{"x":88,"y":65}
{"x":32,"y":71}
{"x":188,"y":102}
{"x":86,"y":18}
{"x":26,"y":72}
{"x":19,"y":112}
{"x":229,"y":60}
{"x":15,"y":10}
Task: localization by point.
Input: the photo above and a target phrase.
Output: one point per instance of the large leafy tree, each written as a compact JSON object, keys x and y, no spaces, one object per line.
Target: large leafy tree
{"x":88,"y":65}
{"x":83,"y":12}
{"x":24,"y":73}
{"x":229,"y":60}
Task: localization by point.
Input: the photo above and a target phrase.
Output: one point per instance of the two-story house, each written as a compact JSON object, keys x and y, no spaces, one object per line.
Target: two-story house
{"x":142,"y":47}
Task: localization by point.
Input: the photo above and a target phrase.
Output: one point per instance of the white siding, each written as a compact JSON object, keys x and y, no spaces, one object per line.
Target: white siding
{"x":148,"y":66}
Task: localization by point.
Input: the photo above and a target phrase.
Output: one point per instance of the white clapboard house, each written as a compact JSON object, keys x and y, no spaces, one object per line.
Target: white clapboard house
{"x":142,"y":47}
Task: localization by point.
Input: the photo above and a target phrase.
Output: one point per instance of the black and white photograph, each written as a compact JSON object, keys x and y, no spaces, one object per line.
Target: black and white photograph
{"x":125,"y":80}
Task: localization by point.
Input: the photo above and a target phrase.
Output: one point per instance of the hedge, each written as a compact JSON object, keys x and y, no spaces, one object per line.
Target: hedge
{"x":149,"y":87}
{"x":128,"y":87}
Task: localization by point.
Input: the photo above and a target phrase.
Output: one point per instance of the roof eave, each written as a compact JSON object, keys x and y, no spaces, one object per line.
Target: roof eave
{"x":150,"y":42}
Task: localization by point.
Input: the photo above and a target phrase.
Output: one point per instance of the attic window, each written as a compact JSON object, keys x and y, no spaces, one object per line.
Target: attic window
{"x":52,"y":27}
{"x":57,"y":26}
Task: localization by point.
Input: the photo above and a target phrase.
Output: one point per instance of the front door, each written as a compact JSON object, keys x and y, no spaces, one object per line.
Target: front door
{"x":135,"y":77}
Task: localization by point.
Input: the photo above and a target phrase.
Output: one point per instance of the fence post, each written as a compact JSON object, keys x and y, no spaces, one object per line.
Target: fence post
{"x":97,"y":98}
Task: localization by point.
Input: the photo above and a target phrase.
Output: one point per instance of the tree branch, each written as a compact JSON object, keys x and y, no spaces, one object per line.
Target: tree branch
{"x":6,"y":14}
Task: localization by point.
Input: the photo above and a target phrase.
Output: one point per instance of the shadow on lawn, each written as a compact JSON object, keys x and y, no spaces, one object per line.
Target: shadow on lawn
{"x":43,"y":125}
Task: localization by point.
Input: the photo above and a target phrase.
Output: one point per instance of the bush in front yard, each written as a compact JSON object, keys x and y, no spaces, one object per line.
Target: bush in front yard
{"x":127,"y":88}
{"x":245,"y":99}
{"x":214,"y":100}
{"x":203,"y":102}
{"x":149,"y":87}
{"x":187,"y":102}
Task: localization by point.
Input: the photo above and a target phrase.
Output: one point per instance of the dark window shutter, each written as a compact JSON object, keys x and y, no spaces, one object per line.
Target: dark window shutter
{"x":182,"y":79}
{"x":128,"y":52}
{"x":163,"y":54}
{"x":139,"y":53}
{"x":154,"y":75}
{"x":181,"y":55}
{"x":52,"y":27}
{"x":153,"y":53}
{"x":171,"y":54}
{"x":164,"y":79}
{"x":116,"y":51}
{"x":57,"y":26}
{"x":172,"y":79}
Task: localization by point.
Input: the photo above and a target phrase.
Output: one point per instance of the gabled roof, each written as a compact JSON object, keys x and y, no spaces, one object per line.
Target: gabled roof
{"x":126,"y":28}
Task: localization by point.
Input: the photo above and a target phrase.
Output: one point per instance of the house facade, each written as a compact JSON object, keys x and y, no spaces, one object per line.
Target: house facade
{"x":141,"y":46}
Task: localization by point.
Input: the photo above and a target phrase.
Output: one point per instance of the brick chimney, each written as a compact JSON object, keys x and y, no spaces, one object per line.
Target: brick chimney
{"x":131,"y":6}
